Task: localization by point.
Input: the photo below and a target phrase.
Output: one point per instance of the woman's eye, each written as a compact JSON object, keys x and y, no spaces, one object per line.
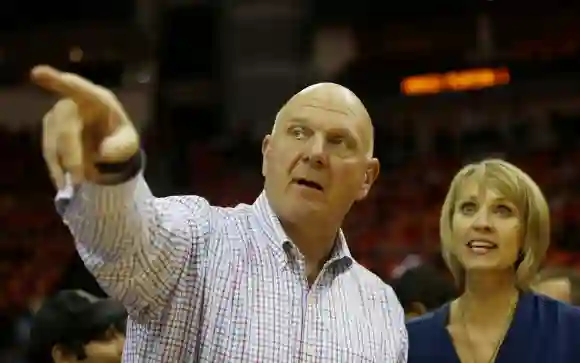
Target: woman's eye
{"x":504,"y":210}
{"x":468,"y":207}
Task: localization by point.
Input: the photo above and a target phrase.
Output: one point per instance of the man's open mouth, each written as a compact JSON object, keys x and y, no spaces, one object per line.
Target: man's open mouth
{"x":308,"y":183}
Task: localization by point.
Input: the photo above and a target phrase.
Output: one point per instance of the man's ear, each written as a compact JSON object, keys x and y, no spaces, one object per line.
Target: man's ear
{"x":371,"y":175}
{"x":265,"y":149}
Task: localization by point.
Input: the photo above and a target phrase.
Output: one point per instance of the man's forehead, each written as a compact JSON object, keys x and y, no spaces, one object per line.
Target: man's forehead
{"x":333,"y":99}
{"x":330,"y":98}
{"x":308,"y":104}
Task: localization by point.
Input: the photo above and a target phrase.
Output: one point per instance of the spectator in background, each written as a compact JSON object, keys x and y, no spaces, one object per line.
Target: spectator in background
{"x":559,"y":283}
{"x":74,"y":326}
{"x":76,"y":276}
{"x":422,"y":289}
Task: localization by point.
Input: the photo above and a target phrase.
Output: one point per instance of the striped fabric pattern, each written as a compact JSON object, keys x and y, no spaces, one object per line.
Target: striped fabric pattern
{"x":211,"y":284}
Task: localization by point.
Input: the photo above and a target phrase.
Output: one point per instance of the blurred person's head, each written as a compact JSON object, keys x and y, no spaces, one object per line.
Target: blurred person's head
{"x":422,"y":289}
{"x":559,"y":283}
{"x":318,"y":159}
{"x":73,"y":326}
{"x":494,"y":222}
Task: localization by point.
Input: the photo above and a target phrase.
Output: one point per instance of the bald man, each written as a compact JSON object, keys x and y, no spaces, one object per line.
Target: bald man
{"x":269,"y":282}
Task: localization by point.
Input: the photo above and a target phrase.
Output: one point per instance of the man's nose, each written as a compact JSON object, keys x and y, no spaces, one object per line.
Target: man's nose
{"x":315,"y":153}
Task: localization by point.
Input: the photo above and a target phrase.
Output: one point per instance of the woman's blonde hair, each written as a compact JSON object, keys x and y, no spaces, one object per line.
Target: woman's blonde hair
{"x":524,"y":193}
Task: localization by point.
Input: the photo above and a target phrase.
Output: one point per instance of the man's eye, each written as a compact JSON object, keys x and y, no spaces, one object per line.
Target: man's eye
{"x":298,"y":132}
{"x":336,"y":140}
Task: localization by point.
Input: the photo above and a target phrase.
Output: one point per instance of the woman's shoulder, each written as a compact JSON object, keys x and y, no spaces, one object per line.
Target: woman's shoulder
{"x":556,"y":310}
{"x":425,"y":324}
{"x":558,"y":325}
{"x":427,"y":337}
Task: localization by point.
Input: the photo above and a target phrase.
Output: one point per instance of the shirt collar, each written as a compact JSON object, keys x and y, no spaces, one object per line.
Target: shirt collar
{"x":272,"y":227}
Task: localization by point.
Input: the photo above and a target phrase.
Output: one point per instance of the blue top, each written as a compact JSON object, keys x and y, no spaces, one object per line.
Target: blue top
{"x":543,"y":330}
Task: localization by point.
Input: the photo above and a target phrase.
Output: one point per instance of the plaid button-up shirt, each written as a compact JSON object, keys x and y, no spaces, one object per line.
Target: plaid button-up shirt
{"x":210,"y":284}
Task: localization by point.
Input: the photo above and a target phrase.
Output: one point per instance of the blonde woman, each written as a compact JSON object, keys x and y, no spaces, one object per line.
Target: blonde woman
{"x":495,"y":231}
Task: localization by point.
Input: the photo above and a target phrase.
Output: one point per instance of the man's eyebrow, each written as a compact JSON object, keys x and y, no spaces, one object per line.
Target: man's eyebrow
{"x":345,"y":132}
{"x":298,"y":120}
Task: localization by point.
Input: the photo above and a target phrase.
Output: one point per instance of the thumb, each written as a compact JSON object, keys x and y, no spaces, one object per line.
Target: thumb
{"x":120,"y":145}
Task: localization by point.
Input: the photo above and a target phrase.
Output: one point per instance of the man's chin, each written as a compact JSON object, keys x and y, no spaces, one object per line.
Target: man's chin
{"x":305,"y":212}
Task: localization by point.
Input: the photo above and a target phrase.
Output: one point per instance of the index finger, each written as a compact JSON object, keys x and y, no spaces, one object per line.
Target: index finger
{"x":67,"y":85}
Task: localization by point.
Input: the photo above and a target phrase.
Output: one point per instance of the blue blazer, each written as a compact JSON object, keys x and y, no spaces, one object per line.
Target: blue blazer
{"x":543,"y":330}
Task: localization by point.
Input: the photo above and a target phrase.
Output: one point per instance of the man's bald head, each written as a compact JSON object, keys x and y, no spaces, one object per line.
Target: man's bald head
{"x":337,"y":97}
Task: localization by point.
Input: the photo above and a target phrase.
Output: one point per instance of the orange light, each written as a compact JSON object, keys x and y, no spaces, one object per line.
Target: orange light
{"x":425,"y":84}
{"x":471,"y":79}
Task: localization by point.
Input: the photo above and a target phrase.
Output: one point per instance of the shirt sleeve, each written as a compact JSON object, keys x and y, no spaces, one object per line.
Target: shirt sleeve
{"x":404,"y":351}
{"x":402,"y":328}
{"x":137,"y":246}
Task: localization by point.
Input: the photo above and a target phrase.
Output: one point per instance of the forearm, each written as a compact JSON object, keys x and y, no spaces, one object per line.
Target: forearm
{"x":136,"y":245}
{"x":110,"y":225}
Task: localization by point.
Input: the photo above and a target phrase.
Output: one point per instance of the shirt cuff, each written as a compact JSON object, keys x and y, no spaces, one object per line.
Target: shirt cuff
{"x":109,"y":196}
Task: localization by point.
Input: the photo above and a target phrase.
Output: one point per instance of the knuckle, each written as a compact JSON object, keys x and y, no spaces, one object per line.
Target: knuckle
{"x":107,"y":95}
{"x":66,"y":138}
{"x":63,"y":117}
{"x":64,"y":106}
